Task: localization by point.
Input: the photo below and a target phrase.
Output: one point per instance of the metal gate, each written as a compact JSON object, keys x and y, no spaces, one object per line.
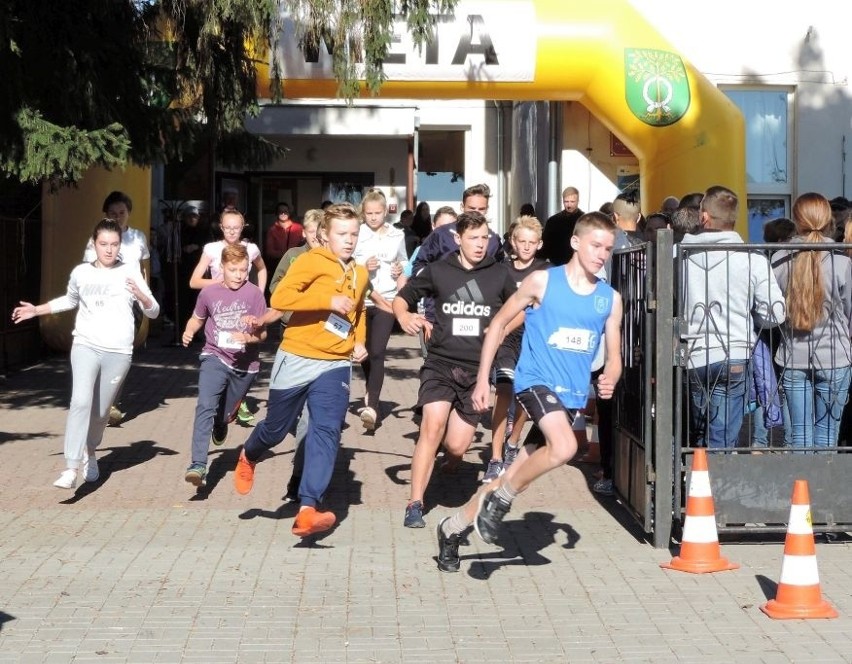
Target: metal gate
{"x":652,"y":454}
{"x":642,"y":413}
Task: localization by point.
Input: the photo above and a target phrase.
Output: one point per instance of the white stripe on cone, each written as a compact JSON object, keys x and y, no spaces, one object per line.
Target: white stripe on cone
{"x":799,"y":571}
{"x":699,"y":484}
{"x":800,"y":520}
{"x":699,"y":529}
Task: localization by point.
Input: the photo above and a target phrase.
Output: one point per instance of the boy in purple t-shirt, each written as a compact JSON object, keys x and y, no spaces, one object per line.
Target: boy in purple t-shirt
{"x":229,"y":359}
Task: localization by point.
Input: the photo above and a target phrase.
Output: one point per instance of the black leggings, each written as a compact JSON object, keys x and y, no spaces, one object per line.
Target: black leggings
{"x":379,"y":328}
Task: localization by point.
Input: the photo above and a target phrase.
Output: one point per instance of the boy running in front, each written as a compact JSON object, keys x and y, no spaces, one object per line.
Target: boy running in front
{"x":324,"y":289}
{"x":229,"y":359}
{"x":568,"y":311}
{"x":467,"y":288}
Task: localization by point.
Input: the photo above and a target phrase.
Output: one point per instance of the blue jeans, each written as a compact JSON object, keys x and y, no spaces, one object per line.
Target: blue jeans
{"x":717,"y":394}
{"x":220,"y":391}
{"x":814,"y":401}
{"x":327,"y":399}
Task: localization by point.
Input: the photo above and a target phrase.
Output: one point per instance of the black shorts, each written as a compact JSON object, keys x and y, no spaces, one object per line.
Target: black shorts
{"x":538,"y":401}
{"x":505,"y":361}
{"x":441,"y":380}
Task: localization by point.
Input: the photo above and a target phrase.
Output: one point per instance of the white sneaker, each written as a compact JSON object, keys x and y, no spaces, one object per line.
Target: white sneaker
{"x":368,"y":418}
{"x":91,"y":472}
{"x":67,"y":480}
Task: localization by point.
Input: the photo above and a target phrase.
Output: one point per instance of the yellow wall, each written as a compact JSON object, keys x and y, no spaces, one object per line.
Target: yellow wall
{"x":68,"y":218}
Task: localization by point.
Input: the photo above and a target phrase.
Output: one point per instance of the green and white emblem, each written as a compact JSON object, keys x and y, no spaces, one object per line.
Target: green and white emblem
{"x":656,"y":86}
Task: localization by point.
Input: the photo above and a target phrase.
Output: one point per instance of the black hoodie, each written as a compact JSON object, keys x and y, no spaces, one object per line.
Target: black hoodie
{"x":465,"y":302}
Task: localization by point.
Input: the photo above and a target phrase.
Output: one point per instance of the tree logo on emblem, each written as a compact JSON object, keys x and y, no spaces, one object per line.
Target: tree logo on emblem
{"x":656,"y":86}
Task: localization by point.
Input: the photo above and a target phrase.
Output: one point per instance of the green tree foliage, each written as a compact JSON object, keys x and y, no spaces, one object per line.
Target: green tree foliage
{"x":102,"y":82}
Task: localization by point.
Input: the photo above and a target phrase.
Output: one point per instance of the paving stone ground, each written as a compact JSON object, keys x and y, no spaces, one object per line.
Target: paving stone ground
{"x":138,"y":567}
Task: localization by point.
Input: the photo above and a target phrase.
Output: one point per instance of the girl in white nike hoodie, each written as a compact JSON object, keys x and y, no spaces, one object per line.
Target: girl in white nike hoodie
{"x":103,"y":292}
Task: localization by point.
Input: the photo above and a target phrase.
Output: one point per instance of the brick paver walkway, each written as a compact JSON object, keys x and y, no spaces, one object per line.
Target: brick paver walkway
{"x":140,"y":568}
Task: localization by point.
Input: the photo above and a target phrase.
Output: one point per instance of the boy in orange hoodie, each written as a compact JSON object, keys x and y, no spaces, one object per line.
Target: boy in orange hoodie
{"x":324,"y":289}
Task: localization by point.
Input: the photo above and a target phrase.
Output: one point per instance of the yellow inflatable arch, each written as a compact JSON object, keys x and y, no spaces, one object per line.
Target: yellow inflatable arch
{"x":685,"y":133}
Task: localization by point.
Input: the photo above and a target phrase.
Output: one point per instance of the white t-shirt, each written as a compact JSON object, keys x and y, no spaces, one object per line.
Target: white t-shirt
{"x":104,"y":306}
{"x":387,"y":247}
{"x":213,"y":250}
{"x":134,"y":249}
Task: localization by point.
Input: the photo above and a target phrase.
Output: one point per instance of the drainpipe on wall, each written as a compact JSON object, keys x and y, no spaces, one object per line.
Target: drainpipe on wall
{"x":501,"y":172}
{"x":554,"y":123}
{"x":413,"y":164}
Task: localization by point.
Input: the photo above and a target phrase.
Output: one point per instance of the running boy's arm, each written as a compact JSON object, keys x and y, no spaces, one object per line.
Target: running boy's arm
{"x":192,"y":326}
{"x":260,"y":266}
{"x":530,"y":291}
{"x":293,"y":292}
{"x":612,"y":338}
{"x":405,"y":303}
{"x":197,"y":280}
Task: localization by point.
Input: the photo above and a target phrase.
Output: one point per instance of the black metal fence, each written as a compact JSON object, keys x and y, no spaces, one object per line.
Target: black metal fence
{"x":715,"y":358}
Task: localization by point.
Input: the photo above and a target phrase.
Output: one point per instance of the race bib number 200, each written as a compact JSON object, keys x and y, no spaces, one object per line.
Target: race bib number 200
{"x":466,"y":327}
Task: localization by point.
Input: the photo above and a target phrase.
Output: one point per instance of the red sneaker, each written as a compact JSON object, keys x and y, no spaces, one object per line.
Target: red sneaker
{"x":244,"y":474}
{"x":310,"y":521}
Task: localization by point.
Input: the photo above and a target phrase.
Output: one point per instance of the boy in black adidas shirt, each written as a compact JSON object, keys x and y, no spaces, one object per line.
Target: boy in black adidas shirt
{"x":468,"y":288}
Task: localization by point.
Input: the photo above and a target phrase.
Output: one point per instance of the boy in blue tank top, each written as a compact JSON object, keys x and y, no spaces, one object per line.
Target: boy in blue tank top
{"x":568,"y":311}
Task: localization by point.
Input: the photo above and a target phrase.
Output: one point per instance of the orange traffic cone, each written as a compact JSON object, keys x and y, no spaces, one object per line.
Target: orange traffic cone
{"x":699,"y":548}
{"x":798,"y":594}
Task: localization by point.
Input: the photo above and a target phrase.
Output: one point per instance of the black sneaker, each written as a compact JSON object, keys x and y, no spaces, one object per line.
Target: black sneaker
{"x":510,"y":453}
{"x":293,"y":489}
{"x":414,"y":515}
{"x":220,"y":434}
{"x":489,"y":516}
{"x":448,"y":549}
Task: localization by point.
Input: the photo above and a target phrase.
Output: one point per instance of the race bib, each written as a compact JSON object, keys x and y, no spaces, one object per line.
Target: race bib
{"x":338,"y":326}
{"x":224,"y":340}
{"x":465,"y":327}
{"x":577,"y":339}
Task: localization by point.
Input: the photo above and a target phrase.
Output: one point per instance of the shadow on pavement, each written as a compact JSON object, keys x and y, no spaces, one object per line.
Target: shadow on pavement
{"x":119,"y":458}
{"x":526,"y":537}
{"x":4,"y":618}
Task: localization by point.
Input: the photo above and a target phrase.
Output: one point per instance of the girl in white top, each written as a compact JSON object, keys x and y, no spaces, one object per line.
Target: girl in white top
{"x":104,"y":292}
{"x":232,"y":224}
{"x":381,"y":248}
{"x":134,"y":250}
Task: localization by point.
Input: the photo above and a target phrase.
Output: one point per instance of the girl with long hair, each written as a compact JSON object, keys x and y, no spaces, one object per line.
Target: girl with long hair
{"x":815,"y":350}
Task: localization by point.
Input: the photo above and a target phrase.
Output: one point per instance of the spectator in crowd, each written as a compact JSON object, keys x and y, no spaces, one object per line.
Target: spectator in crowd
{"x":283,"y":235}
{"x":685,"y":220}
{"x":815,"y":349}
{"x":412,"y":241}
{"x":778,"y":230}
{"x":726,"y":294}
{"x":670,"y":204}
{"x":556,"y":237}
{"x":656,"y":221}
{"x":421,"y":223}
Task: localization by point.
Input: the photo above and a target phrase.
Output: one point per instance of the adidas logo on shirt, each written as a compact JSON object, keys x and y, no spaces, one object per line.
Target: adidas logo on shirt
{"x":466,"y":309}
{"x":466,"y":302}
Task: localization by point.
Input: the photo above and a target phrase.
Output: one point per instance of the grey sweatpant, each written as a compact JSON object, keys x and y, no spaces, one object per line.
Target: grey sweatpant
{"x":97,"y":377}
